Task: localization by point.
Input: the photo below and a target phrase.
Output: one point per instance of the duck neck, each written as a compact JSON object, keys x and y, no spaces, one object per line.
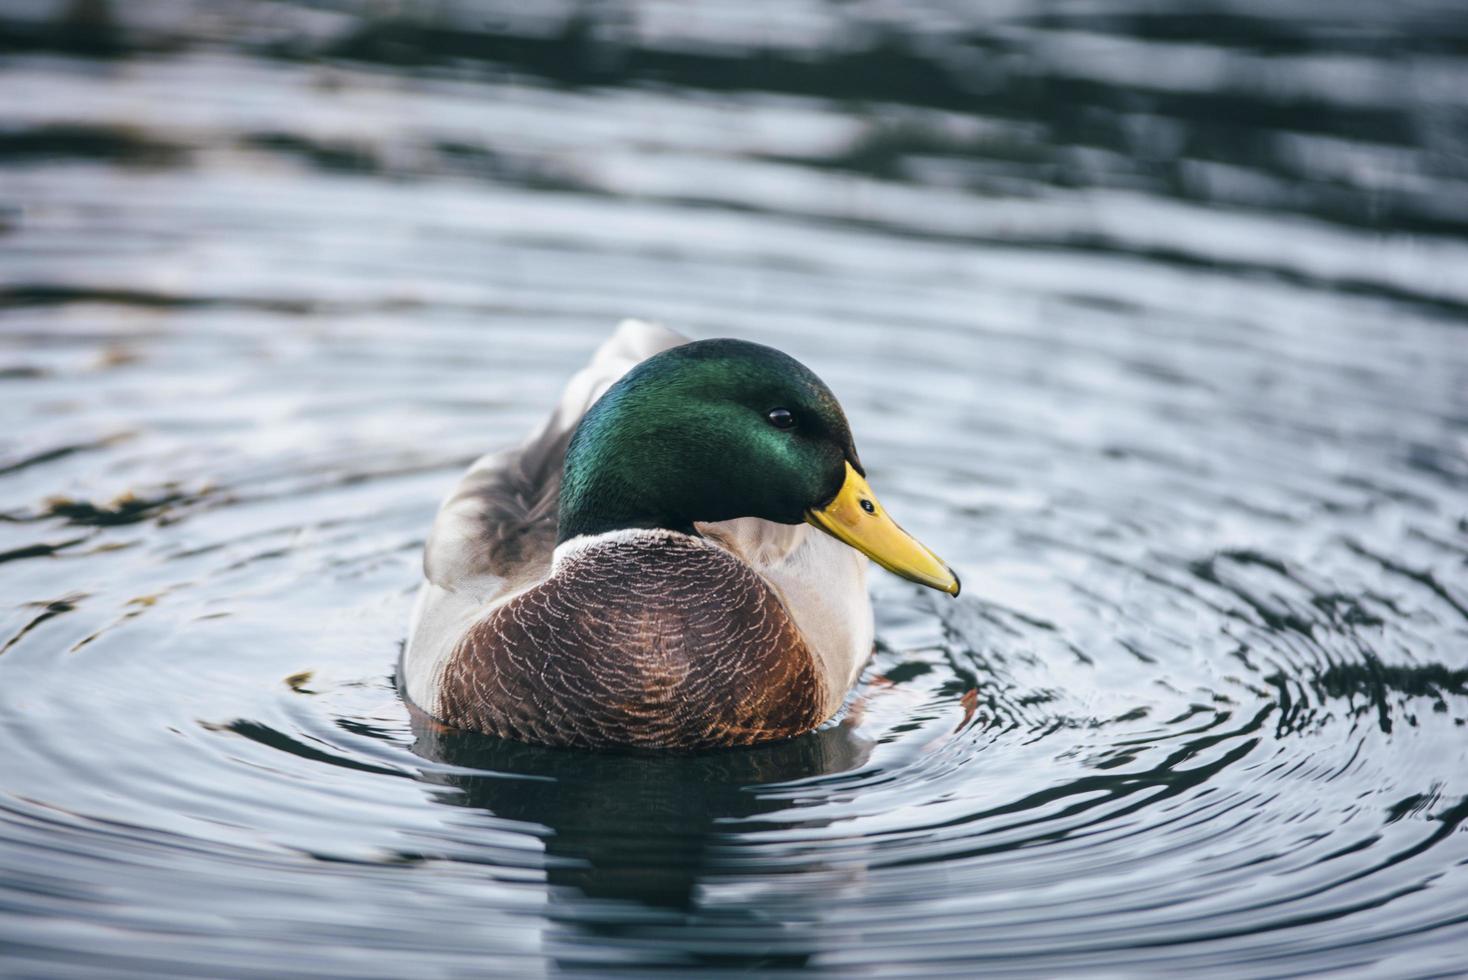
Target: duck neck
{"x":612,"y":482}
{"x":599,"y":502}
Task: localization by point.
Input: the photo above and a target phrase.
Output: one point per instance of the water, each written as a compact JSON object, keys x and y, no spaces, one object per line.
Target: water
{"x":1150,"y":320}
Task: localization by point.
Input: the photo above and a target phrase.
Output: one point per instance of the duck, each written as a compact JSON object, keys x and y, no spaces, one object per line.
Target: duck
{"x":676,"y":559}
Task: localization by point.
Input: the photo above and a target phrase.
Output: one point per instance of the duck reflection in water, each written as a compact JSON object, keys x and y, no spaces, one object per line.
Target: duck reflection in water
{"x":652,"y":829}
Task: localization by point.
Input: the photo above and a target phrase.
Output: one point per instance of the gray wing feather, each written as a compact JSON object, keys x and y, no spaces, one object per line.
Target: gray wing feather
{"x":497,"y":529}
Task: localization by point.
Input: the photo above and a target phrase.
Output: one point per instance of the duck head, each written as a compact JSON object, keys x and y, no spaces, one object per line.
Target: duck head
{"x":720,"y":429}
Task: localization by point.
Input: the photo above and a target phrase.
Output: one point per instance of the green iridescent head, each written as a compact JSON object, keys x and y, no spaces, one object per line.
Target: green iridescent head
{"x":719,"y":429}
{"x":708,"y":431}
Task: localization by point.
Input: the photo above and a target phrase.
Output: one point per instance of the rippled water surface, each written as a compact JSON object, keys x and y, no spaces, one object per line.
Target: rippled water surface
{"x":1151,"y":317}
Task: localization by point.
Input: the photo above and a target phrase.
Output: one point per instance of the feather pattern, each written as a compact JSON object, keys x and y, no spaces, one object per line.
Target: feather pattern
{"x":648,"y":638}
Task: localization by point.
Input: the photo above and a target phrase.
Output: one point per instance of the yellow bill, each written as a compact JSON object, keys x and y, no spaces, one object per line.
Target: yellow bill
{"x":856,"y":518}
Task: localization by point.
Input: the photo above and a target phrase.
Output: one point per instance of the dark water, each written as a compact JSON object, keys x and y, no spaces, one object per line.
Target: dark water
{"x":1151,"y":317}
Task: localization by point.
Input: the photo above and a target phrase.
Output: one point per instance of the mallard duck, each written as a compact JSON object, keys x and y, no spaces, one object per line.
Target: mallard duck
{"x":649,"y":568}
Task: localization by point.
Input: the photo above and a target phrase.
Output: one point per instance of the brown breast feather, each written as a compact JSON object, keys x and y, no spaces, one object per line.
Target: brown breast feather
{"x":653,"y":640}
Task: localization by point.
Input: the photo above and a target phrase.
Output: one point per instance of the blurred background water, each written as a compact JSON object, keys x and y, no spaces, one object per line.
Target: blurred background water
{"x":1150,"y":315}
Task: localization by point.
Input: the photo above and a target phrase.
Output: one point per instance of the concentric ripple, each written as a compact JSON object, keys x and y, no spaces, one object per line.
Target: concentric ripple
{"x":1152,"y":320}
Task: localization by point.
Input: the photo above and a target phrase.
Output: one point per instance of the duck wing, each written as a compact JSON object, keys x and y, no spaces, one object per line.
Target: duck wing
{"x":497,"y":530}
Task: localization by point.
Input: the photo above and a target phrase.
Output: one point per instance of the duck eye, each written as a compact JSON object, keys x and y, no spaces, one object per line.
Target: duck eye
{"x":781,"y":418}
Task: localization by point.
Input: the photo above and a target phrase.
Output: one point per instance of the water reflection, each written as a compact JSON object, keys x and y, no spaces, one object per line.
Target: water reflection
{"x":646,"y":828}
{"x":634,"y":842}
